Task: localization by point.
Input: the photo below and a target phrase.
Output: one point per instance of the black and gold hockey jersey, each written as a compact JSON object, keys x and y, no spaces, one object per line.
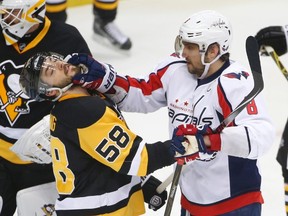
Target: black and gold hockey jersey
{"x":17,"y":112}
{"x":97,"y":160}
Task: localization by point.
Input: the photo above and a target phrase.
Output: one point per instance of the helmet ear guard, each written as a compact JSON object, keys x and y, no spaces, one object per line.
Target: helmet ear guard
{"x":178,"y":45}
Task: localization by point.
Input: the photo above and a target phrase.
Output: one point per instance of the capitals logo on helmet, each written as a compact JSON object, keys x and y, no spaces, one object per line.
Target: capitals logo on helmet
{"x":18,"y":16}
{"x":205,"y":28}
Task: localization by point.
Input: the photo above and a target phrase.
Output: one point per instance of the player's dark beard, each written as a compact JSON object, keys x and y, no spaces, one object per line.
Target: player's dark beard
{"x":65,"y":82}
{"x":196,"y":71}
{"x":69,"y":80}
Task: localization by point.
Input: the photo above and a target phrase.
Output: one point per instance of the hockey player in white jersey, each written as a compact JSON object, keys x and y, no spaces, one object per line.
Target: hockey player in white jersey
{"x":201,"y":88}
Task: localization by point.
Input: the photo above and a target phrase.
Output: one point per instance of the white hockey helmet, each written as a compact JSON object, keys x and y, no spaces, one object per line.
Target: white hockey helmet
{"x":205,"y":28}
{"x":18,"y":16}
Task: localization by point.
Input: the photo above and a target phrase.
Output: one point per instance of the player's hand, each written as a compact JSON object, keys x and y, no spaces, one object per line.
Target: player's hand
{"x":274,"y":36}
{"x":94,"y":75}
{"x":154,"y":200}
{"x":188,"y":142}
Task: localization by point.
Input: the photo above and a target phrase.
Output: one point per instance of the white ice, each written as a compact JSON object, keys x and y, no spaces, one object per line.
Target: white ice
{"x":153,"y":25}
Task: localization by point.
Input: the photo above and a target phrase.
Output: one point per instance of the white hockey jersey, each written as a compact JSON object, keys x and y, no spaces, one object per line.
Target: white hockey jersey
{"x":227,"y":179}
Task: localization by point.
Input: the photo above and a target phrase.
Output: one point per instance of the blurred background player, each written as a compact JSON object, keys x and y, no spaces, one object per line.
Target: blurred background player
{"x":104,"y":15}
{"x":25,"y":31}
{"x":277,"y":38}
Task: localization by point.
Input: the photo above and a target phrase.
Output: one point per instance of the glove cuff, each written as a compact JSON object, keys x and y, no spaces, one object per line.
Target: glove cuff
{"x":108,"y":80}
{"x":215,"y":140}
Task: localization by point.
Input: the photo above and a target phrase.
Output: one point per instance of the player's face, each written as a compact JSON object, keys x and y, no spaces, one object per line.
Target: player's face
{"x":192,"y":55}
{"x":57,"y":73}
{"x":10,"y":17}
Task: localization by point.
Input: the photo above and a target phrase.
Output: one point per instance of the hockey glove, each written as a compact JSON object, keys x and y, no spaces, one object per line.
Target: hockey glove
{"x":188,"y":141}
{"x":154,"y":200}
{"x":94,"y":75}
{"x":274,"y":36}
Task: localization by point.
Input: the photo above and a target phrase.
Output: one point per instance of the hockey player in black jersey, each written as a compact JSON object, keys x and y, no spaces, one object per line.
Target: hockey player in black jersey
{"x":25,"y":31}
{"x":97,"y":160}
{"x":277,"y":38}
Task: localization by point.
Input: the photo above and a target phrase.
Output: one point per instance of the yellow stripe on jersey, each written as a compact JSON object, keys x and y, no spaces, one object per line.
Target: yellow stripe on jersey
{"x":143,"y":164}
{"x":7,"y":154}
{"x":108,"y":201}
{"x":110,"y":142}
{"x":106,"y":6}
{"x":135,"y":206}
{"x":56,"y":7}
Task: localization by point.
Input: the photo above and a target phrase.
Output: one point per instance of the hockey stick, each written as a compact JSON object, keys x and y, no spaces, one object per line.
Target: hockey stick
{"x":276,"y":59}
{"x":254,"y":62}
{"x":165,"y":184}
{"x":162,"y":187}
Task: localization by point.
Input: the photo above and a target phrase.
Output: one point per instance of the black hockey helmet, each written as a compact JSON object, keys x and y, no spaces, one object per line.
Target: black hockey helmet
{"x":30,"y":81}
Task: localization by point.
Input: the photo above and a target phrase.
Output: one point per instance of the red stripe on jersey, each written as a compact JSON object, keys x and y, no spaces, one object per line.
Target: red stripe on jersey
{"x":122,"y":82}
{"x":224,"y":206}
{"x":154,"y":82}
{"x":223,"y":102}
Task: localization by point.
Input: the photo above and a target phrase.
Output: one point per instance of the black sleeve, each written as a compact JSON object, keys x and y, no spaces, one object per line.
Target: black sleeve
{"x":159,"y":155}
{"x":282,"y":154}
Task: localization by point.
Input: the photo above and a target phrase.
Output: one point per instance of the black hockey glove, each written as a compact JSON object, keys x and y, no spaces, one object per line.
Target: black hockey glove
{"x":273,"y":36}
{"x":94,"y":75}
{"x":154,"y":200}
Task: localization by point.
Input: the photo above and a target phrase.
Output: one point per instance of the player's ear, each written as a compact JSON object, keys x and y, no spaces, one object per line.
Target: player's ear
{"x":212,"y":52}
{"x":214,"y":49}
{"x":51,"y":93}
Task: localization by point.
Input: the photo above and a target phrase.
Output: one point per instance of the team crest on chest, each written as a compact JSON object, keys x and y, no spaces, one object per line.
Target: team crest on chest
{"x":12,"y":99}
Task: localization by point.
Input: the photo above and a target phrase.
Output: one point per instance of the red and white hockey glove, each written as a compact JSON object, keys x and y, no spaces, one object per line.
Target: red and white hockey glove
{"x":188,"y":141}
{"x":94,"y":75}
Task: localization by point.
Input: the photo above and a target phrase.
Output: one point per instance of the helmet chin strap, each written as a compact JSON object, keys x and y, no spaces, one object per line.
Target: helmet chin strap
{"x":60,"y":90}
{"x":207,"y":65}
